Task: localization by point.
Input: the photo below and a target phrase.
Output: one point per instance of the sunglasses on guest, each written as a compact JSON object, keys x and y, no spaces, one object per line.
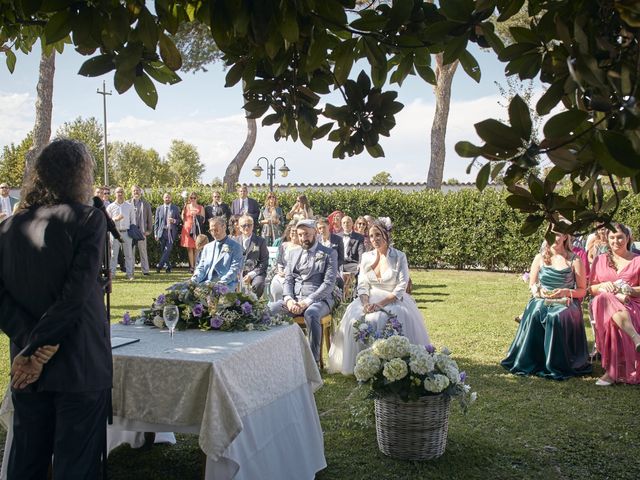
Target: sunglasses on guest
{"x":246,"y":225}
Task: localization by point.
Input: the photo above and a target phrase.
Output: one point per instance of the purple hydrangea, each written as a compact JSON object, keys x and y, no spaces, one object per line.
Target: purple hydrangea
{"x":237,"y":303}
{"x":246,"y":308}
{"x":430,"y":348}
{"x":197,"y":310}
{"x":161,"y":299}
{"x":463,"y":376}
{"x":266,"y":318}
{"x":220,"y":289}
{"x":216,"y":322}
{"x":126,"y":318}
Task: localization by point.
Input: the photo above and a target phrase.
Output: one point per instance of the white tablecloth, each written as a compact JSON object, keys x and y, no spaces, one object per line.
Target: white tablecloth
{"x":243,"y":393}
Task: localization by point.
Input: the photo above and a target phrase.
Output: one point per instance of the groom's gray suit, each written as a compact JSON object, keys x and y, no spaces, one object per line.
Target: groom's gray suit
{"x":310,"y":277}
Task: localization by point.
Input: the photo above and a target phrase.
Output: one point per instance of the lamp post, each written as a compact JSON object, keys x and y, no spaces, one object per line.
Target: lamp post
{"x":271,"y":169}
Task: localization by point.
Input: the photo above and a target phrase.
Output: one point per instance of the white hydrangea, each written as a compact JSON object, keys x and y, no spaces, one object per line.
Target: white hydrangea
{"x":395,"y":369}
{"x":421,"y":362}
{"x":436,"y":384}
{"x":396,"y":346}
{"x":452,"y":373}
{"x":444,"y":362}
{"x":363,"y":327}
{"x":367,"y":365}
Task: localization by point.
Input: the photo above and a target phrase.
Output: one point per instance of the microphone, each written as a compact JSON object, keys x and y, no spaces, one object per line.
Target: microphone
{"x":111,"y":226}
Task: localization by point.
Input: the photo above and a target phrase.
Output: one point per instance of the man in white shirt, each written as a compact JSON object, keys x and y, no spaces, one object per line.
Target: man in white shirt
{"x":7,"y":203}
{"x":121,"y":212}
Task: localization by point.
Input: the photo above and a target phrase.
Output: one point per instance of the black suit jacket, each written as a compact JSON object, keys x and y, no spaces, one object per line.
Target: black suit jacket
{"x":337,"y":245}
{"x":353,"y":252}
{"x":50,"y":294}
{"x":252,"y":206}
{"x":218,"y":211}
{"x":256,"y":256}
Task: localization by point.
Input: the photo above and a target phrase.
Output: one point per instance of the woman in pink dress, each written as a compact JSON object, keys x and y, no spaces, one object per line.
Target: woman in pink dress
{"x":192,"y":219}
{"x":614,"y":284}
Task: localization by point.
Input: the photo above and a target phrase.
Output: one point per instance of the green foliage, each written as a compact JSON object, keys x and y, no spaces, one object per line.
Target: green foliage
{"x":289,"y":53}
{"x":90,"y":133}
{"x":131,"y":164}
{"x":12,"y":161}
{"x":381,"y":178}
{"x":183,"y":161}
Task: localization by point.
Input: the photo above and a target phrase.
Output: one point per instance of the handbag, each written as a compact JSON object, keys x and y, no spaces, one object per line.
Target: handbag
{"x":197,"y":226}
{"x":135,"y":233}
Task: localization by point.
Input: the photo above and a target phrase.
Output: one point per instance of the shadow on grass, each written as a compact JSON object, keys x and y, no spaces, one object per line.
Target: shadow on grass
{"x":416,"y":287}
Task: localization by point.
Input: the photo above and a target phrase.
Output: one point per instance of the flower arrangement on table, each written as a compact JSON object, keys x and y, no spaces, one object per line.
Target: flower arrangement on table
{"x":367,"y":332}
{"x":212,"y":306}
{"x":396,"y":367}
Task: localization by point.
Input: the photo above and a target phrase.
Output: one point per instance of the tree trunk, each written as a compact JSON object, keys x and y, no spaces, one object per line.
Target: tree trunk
{"x":232,"y":174}
{"x":44,"y":107}
{"x":444,"y":78}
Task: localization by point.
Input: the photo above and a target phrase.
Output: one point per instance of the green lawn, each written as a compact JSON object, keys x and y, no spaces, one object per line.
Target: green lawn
{"x":518,"y":428}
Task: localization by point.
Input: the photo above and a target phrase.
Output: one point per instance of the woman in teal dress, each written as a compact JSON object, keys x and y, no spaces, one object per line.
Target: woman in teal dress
{"x":551,"y":340}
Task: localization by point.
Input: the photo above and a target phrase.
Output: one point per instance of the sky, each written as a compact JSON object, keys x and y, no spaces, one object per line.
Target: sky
{"x":201,"y":111}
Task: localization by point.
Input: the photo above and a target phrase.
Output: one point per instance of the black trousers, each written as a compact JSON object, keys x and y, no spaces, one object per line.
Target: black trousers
{"x":71,"y":427}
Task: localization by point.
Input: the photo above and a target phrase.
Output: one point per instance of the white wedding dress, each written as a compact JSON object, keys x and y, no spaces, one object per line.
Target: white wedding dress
{"x":344,"y":348}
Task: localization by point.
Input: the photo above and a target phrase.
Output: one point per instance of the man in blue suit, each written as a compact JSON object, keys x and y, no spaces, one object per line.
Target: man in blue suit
{"x":220,"y":260}
{"x":165,"y":230}
{"x":309,"y":280}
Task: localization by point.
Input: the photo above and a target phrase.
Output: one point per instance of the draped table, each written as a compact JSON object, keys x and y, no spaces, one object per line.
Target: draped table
{"x":247,"y":395}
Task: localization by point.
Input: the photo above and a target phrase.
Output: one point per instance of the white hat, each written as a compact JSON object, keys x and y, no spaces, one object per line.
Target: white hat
{"x":307,"y":222}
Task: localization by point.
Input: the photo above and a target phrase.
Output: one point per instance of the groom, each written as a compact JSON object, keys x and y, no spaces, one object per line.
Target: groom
{"x":310,"y":276}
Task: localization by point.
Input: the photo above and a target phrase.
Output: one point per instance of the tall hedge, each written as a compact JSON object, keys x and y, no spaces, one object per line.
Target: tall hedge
{"x":463,"y":229}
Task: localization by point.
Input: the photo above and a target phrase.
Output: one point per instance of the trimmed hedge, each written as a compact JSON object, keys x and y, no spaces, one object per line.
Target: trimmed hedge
{"x":463,"y":229}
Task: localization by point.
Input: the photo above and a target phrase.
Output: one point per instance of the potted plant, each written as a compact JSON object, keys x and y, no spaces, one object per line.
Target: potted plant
{"x":412,"y":387}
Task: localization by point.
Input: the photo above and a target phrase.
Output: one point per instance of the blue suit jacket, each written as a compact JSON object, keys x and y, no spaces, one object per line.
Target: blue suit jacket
{"x":160,"y":221}
{"x":227,"y":266}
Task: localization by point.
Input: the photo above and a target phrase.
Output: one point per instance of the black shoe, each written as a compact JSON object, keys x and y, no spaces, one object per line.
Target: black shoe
{"x":158,"y":269}
{"x":146,"y":274}
{"x":168,"y":270}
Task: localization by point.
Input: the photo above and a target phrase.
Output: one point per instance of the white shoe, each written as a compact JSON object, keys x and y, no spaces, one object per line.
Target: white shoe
{"x":603,"y":383}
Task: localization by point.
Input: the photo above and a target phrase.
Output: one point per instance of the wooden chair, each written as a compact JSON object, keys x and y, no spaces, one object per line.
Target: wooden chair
{"x":347,"y":291}
{"x":325,"y":323}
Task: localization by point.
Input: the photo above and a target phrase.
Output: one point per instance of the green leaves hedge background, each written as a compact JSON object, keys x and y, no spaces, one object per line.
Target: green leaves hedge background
{"x":466,"y":229}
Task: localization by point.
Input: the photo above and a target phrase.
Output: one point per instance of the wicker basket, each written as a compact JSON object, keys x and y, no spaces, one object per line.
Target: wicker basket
{"x":412,"y":430}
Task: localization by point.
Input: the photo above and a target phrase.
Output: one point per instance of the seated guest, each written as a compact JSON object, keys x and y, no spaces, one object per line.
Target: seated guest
{"x":615,"y":286}
{"x":256,"y":256}
{"x":335,"y":222}
{"x":233,"y":228}
{"x":361,"y":226}
{"x":310,"y":277}
{"x":353,"y":244}
{"x":272,"y":220}
{"x":384,"y":273}
{"x":551,"y":340}
{"x":331,"y":240}
{"x":221,"y":259}
{"x":289,"y":242}
{"x":597,"y":243}
{"x":201,"y":241}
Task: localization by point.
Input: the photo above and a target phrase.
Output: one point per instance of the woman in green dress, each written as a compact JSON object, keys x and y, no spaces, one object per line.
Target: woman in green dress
{"x":551,"y":340}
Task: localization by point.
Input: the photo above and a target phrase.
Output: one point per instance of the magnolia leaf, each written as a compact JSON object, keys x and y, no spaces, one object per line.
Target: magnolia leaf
{"x":520,"y":118}
{"x":498,"y":134}
{"x":483,"y":176}
{"x":96,"y":66}
{"x":169,"y":53}
{"x":146,"y":90}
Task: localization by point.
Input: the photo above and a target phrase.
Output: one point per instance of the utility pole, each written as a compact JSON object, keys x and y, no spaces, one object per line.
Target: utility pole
{"x":104,"y":94}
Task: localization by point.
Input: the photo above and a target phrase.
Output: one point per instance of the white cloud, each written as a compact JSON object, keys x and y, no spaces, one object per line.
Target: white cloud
{"x":16,"y":116}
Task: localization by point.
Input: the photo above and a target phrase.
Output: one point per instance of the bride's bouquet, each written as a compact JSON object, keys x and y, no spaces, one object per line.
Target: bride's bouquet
{"x":366,"y":333}
{"x":395,"y":366}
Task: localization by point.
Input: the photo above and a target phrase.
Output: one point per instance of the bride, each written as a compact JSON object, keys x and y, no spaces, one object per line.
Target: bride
{"x":382,"y":282}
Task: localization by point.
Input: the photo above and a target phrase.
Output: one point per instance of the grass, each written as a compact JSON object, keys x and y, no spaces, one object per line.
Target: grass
{"x":519,"y":427}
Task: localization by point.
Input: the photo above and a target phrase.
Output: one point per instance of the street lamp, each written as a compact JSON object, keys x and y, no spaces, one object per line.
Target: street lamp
{"x":271,"y":169}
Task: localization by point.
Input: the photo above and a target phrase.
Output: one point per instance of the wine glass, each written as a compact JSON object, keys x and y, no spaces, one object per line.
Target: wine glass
{"x":171,"y":315}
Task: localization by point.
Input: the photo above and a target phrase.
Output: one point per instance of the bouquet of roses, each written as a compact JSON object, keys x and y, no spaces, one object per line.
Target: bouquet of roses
{"x":366,"y":332}
{"x":394,"y":366}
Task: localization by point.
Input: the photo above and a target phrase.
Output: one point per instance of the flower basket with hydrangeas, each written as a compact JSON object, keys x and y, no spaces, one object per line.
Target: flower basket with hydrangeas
{"x":412,"y":386}
{"x":211,"y":306}
{"x":367,"y":332}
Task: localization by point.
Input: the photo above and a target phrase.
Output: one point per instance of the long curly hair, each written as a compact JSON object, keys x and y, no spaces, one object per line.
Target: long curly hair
{"x":546,"y":249}
{"x":62,"y":173}
{"x":627,"y":232}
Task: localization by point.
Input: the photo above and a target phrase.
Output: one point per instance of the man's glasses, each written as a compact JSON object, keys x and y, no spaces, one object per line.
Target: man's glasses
{"x":4,"y":188}
{"x":246,"y":225}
